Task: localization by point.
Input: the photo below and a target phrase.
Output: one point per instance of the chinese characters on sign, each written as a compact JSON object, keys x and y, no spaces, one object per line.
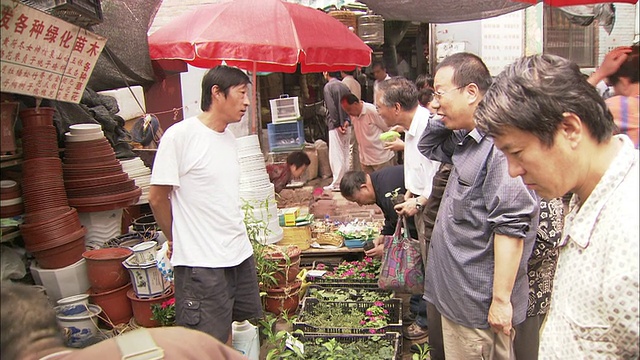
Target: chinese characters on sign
{"x":502,"y":40}
{"x":44,"y":56}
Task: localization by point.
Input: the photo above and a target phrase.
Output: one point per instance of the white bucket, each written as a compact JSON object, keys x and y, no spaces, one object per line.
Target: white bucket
{"x":245,"y":339}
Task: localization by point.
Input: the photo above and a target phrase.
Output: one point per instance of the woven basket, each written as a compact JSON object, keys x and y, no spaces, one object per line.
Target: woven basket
{"x":330,"y":239}
{"x":298,"y":235}
{"x":348,"y":18}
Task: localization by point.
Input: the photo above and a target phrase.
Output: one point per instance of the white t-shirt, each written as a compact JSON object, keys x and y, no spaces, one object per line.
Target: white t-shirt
{"x":418,"y":169}
{"x":203,"y":168}
{"x":367,"y":127}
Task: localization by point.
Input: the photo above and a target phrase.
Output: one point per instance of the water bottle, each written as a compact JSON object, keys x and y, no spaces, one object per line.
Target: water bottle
{"x":244,"y":338}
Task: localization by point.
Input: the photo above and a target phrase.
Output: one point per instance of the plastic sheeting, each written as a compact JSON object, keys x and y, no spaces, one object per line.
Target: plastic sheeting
{"x":432,"y":11}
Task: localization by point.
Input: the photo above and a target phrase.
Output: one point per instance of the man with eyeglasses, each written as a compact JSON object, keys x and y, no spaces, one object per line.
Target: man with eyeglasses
{"x":486,"y":225}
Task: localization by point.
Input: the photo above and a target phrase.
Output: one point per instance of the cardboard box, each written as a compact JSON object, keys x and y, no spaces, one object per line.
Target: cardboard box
{"x":290,"y":215}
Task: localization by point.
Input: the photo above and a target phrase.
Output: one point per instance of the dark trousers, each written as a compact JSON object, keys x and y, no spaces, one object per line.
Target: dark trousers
{"x":527,"y":339}
{"x":418,"y":306}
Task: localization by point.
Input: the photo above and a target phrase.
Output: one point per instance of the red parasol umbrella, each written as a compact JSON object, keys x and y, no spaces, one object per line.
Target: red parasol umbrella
{"x":558,"y":3}
{"x":265,"y":35}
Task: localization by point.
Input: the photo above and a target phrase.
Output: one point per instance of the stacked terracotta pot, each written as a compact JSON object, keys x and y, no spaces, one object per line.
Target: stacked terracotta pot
{"x":93,"y":176}
{"x":51,"y":230}
{"x":110,"y":283}
{"x":10,"y":199}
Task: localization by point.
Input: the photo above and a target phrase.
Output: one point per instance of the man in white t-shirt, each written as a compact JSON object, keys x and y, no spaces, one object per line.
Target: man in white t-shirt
{"x":380,"y":74}
{"x":397,"y":103}
{"x":196,"y":201}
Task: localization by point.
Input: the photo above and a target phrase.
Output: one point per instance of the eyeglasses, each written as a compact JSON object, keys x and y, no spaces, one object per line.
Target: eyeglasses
{"x":438,"y":94}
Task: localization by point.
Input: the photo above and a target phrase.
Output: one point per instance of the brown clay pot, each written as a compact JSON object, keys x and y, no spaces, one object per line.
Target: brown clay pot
{"x":104,"y":268}
{"x":62,"y":253}
{"x":37,"y":116}
{"x":142,"y":307}
{"x":11,"y":210}
{"x":283,"y":299}
{"x":80,"y":184}
{"x":114,"y":303}
{"x":45,"y":215}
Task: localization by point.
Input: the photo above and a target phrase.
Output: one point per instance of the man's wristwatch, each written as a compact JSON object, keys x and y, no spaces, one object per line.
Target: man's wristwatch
{"x":418,"y":205}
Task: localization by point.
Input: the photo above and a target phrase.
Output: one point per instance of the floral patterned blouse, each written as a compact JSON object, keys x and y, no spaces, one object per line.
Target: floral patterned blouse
{"x":544,"y":258}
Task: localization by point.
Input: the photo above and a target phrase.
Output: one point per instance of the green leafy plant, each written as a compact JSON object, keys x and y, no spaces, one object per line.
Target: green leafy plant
{"x":328,"y":315}
{"x":277,"y":341}
{"x":164,"y":313}
{"x":423,"y":352}
{"x":349,"y":294}
{"x":257,"y":230}
{"x":374,"y":348}
{"x":367,"y":269}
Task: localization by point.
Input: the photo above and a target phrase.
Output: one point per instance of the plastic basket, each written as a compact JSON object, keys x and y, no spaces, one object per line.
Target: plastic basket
{"x":377,"y":290}
{"x":391,"y":337}
{"x":286,"y":136}
{"x":285,"y":109}
{"x":394,"y":306}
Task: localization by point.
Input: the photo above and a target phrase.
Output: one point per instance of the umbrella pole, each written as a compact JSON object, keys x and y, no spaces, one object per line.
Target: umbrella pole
{"x":254,"y":100}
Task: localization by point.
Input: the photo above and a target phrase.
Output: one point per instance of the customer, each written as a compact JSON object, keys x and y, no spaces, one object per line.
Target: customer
{"x":281,"y":174}
{"x":486,"y":224}
{"x":625,"y":104}
{"x":540,"y":269}
{"x":339,"y":131}
{"x":380,"y":75}
{"x":373,"y":188}
{"x":29,"y":331}
{"x":562,"y":126}
{"x":354,"y":87}
{"x":195,"y":199}
{"x":368,"y":126}
{"x":397,"y":103}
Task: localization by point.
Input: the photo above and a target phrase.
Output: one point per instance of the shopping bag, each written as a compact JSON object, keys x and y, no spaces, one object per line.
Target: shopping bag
{"x":402,"y":267}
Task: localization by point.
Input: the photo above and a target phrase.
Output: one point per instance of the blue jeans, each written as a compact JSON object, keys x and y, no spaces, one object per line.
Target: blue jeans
{"x":418,"y":306}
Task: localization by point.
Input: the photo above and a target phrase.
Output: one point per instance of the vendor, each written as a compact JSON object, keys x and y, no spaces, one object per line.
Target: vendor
{"x":281,"y":174}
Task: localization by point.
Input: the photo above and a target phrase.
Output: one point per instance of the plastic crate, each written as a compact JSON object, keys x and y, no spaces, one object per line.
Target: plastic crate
{"x":392,"y":338}
{"x":286,"y":136}
{"x":394,"y":306}
{"x":285,"y":109}
{"x":377,"y":290}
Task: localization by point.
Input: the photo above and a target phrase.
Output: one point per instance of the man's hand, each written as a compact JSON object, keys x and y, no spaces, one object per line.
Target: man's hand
{"x":610,"y":64}
{"x":397,"y":128}
{"x":407,"y":208}
{"x":343,"y":128}
{"x":170,"y":249}
{"x":500,"y":317}
{"x":396,"y":145}
{"x":378,"y":249}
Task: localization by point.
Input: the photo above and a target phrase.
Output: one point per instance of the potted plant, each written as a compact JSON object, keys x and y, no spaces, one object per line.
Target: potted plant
{"x":164,"y":313}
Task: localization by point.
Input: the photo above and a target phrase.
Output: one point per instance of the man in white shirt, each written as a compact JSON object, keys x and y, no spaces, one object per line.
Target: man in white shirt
{"x":558,"y":139}
{"x":397,"y":103}
{"x":380,"y":74}
{"x":367,"y":127}
{"x":195,"y":199}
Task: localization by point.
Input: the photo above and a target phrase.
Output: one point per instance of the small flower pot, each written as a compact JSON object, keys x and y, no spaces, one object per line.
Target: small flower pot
{"x":75,"y":304}
{"x":142,"y":307}
{"x":283,"y":299}
{"x":81,"y":327}
{"x":145,"y":252}
{"x":42,"y":116}
{"x":114,"y":303}
{"x":105,"y":270}
{"x":146,"y":278}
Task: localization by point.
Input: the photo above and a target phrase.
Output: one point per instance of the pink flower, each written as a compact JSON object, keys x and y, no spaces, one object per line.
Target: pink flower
{"x":320,"y":266}
{"x":368,"y":259}
{"x":378,"y":303}
{"x":369,"y":313}
{"x":372,"y":331}
{"x":362,"y":322}
{"x":363,"y":275}
{"x":385,"y":311}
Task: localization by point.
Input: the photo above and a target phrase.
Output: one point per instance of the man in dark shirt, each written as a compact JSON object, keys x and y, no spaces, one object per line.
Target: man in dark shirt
{"x":339,"y":130}
{"x":366,"y":189}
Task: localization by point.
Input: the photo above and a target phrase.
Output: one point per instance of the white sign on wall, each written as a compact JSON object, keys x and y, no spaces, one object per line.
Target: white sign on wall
{"x":502,"y":40}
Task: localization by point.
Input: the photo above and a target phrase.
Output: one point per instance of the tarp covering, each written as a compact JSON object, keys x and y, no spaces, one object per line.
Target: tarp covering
{"x":125,"y":26}
{"x":438,"y":11}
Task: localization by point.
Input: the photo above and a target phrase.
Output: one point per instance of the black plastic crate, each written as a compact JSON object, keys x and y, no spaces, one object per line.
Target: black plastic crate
{"x":394,"y":306}
{"x":392,"y":338}
{"x":382,"y":292}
